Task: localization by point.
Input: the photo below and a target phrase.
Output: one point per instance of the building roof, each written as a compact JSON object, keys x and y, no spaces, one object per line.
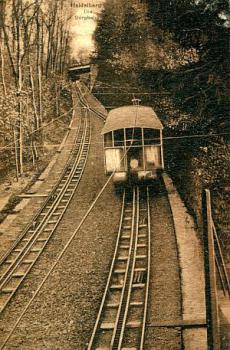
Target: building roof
{"x":75,"y":68}
{"x":131,"y":117}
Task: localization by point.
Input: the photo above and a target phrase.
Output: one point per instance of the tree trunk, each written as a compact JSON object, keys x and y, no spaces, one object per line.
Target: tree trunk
{"x":57,"y":92}
{"x":16,"y":152}
{"x":36,"y":119}
{"x":3,"y":67}
{"x":19,"y":85}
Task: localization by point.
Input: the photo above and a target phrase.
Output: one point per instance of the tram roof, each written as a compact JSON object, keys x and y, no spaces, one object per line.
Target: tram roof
{"x":76,"y":68}
{"x":131,"y":117}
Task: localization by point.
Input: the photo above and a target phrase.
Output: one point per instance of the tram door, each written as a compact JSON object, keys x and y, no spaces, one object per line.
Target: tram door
{"x":135,"y":152}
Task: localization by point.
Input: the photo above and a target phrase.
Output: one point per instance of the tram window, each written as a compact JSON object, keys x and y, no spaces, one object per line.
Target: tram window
{"x":119,"y":137}
{"x":135,"y":135}
{"x":152,"y":157}
{"x":114,"y":158}
{"x":129,"y":134}
{"x":151,"y":136}
{"x":108,"y":142}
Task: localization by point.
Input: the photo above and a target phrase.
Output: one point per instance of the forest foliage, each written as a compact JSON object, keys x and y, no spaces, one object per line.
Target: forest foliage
{"x":34,"y":52}
{"x":179,"y":46}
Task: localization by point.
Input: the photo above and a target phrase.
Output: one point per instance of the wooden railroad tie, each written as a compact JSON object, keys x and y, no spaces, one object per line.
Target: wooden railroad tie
{"x":31,"y":195}
{"x":178,"y":323}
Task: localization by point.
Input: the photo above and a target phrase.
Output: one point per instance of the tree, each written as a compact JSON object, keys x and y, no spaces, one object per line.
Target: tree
{"x":34,"y":38}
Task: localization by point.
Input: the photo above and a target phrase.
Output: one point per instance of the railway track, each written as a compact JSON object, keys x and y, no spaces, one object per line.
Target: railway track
{"x":121,"y":319}
{"x":84,"y":101}
{"x":18,"y":261}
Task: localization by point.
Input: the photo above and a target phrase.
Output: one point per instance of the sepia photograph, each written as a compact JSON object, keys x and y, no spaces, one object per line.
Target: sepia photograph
{"x":114,"y":175}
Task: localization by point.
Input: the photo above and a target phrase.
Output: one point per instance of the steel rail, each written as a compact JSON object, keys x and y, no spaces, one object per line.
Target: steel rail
{"x":103,"y":306}
{"x":35,"y":219}
{"x":46,"y":202}
{"x":94,"y":98}
{"x":85,"y":102}
{"x":44,"y":220}
{"x":138,"y":339}
{"x":28,"y":249}
{"x":121,"y":335}
{"x":115,"y":322}
{"x":119,"y":316}
{"x":109,"y":277}
{"x":77,"y":166}
{"x":148,"y":274}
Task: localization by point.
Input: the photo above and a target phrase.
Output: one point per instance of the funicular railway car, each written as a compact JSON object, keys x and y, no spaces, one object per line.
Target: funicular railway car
{"x":76,"y":71}
{"x":133,"y":147}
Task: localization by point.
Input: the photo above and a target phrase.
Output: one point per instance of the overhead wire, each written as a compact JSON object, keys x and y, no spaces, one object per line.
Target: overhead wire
{"x":177,"y":137}
{"x":130,"y":93}
{"x":41,"y":127}
{"x":123,"y":87}
{"x":109,"y":86}
{"x":151,"y":139}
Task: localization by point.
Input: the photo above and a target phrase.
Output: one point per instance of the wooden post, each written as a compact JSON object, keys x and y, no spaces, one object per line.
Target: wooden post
{"x":162,"y":150}
{"x":210,"y":275}
{"x":143,"y":148}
